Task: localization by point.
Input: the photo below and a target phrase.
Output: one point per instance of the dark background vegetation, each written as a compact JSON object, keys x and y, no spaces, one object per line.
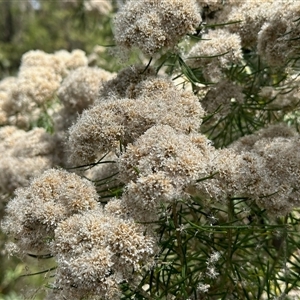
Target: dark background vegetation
{"x":50,"y":26}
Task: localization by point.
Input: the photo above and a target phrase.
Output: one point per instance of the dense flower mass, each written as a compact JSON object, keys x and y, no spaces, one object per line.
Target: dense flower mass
{"x":126,"y":80}
{"x":35,"y":212}
{"x":247,"y":17}
{"x":96,"y":251}
{"x":58,"y":215}
{"x":158,"y":167}
{"x":218,"y":49}
{"x":27,"y":154}
{"x":278,"y":37}
{"x":151,"y":25}
{"x":24,"y":98}
{"x":271,"y":26}
{"x":112,"y":122}
{"x":276,"y":147}
{"x":40,"y":76}
{"x":81,"y":87}
{"x":78,"y":91}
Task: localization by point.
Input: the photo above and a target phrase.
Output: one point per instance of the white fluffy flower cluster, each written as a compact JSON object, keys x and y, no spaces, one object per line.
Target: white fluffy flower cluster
{"x":115,"y":121}
{"x":217,"y":50}
{"x":159,"y":166}
{"x":151,"y":25}
{"x":25,"y":155}
{"x":23,"y":98}
{"x":271,"y":26}
{"x":58,"y":215}
{"x":275,"y":150}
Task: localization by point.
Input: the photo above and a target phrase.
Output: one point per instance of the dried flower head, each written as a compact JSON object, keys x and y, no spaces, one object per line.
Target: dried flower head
{"x":159,"y":165}
{"x":17,"y":172}
{"x":247,"y":142}
{"x":81,"y":88}
{"x":278,"y":37}
{"x":96,"y":251}
{"x":38,"y":58}
{"x":38,"y":79}
{"x":218,"y":50}
{"x":162,"y":148}
{"x":126,"y":78}
{"x":87,"y":276}
{"x":221,"y":96}
{"x":35,"y":212}
{"x":276,"y":147}
{"x":151,"y":25}
{"x":72,"y":60}
{"x":282,"y":165}
{"x":103,"y":127}
{"x":234,"y":175}
{"x":117,"y":207}
{"x":247,"y":18}
{"x":35,"y":86}
{"x":27,"y":154}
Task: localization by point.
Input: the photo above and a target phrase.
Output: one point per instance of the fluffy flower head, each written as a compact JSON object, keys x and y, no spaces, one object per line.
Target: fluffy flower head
{"x":150,"y":24}
{"x":36,"y":210}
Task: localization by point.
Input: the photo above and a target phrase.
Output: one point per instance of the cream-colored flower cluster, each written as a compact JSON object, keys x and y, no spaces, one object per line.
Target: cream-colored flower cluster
{"x":270,"y":27}
{"x":217,"y":50}
{"x":78,"y":91}
{"x":23,"y":98}
{"x":35,"y":212}
{"x":115,"y":121}
{"x":278,"y":39}
{"x":81,"y":87}
{"x":262,"y":167}
{"x":159,"y":166}
{"x":246,"y":18}
{"x":151,"y":25}
{"x":58,"y":215}
{"x":97,"y":251}
{"x":40,"y":76}
{"x":41,"y":79}
{"x":25,"y":155}
{"x":276,"y":149}
{"x":246,"y":37}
